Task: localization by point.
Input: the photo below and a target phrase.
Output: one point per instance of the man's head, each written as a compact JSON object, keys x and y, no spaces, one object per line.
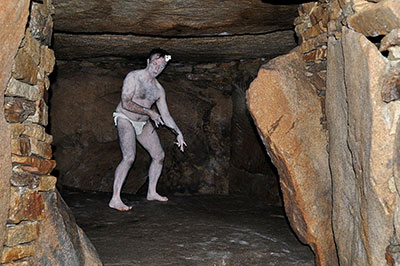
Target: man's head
{"x":158,"y":59}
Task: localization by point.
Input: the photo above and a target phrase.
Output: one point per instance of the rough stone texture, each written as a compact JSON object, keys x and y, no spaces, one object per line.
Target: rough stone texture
{"x":21,"y":89}
{"x":22,"y":179}
{"x":47,"y":182}
{"x":35,"y":164}
{"x":199,"y":98}
{"x":41,"y":23}
{"x":32,"y":130}
{"x":47,"y":60}
{"x":21,"y":262}
{"x":25,"y":203}
{"x":391,"y":39}
{"x":21,"y":233}
{"x":17,"y":110}
{"x":28,"y":146}
{"x":13,"y":17}
{"x":287,"y":113}
{"x":15,"y":253}
{"x":25,"y":68}
{"x":61,"y":241}
{"x":362,"y":131}
{"x":206,"y":31}
{"x":248,"y":156}
{"x":41,"y":113}
{"x":171,"y":18}
{"x":30,"y":153}
{"x":190,"y":49}
{"x":376,"y":19}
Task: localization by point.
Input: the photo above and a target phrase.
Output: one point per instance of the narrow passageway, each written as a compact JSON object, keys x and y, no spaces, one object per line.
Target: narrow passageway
{"x":188,"y":230}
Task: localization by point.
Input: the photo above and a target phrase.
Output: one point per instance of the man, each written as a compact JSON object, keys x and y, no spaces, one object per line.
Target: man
{"x":132,"y":116}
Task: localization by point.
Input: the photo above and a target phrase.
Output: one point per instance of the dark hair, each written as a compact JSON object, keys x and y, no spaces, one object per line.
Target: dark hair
{"x":158,"y":51}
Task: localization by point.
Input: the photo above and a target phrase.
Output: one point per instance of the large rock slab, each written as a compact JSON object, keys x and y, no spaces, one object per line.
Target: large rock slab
{"x":190,"y":49}
{"x":172,"y":18}
{"x":61,"y":241}
{"x":287,"y":112}
{"x":206,"y":31}
{"x":13,"y":18}
{"x":362,"y":137}
{"x":374,"y":19}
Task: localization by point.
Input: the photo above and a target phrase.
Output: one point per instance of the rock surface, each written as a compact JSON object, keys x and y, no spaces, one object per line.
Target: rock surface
{"x":61,"y":241}
{"x":374,"y":19}
{"x":362,"y":136}
{"x":172,"y":18}
{"x":29,"y":214}
{"x":13,"y":17}
{"x":190,"y":49}
{"x":287,"y":112}
{"x":206,"y":31}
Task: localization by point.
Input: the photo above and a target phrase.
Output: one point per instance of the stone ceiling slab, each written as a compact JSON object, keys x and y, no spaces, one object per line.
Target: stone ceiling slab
{"x":210,"y":30}
{"x":172,"y":18}
{"x":206,"y":49}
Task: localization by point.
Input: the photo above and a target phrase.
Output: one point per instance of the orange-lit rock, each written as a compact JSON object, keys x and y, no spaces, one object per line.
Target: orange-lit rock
{"x":61,"y":241}
{"x":287,"y":112}
{"x":363,"y":148}
{"x":39,"y":165}
{"x":24,"y":232}
{"x":13,"y":18}
{"x":25,"y":67}
{"x":374,"y":19}
{"x":25,"y":204}
{"x":15,"y":253}
{"x":17,"y":110}
{"x":47,"y":182}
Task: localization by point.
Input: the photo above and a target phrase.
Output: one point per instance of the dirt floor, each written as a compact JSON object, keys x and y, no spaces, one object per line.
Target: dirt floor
{"x":188,"y":230}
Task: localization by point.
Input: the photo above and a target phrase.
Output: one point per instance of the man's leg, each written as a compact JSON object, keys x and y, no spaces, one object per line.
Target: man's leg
{"x":151,"y":142}
{"x":127,"y":141}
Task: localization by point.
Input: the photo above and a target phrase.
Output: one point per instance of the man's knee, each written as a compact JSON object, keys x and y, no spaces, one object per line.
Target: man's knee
{"x":159,"y":157}
{"x":129,"y":159}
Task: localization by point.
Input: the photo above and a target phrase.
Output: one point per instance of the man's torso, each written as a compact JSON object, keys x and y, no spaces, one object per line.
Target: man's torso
{"x":145,"y":94}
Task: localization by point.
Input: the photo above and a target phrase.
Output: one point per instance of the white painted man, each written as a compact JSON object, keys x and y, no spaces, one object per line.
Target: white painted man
{"x":140,"y":91}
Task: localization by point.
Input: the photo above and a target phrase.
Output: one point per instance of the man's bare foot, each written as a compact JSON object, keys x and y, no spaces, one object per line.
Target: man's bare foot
{"x":156,"y":197}
{"x":120,"y":206}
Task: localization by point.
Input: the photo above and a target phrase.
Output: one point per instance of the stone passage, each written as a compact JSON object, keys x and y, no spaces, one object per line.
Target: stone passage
{"x":207,"y":101}
{"x":35,"y":221}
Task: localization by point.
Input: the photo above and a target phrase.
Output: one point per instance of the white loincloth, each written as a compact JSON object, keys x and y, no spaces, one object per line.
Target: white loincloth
{"x":137,"y":125}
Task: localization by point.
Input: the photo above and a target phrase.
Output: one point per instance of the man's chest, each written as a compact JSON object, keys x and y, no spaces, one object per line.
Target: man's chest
{"x":146,"y":92}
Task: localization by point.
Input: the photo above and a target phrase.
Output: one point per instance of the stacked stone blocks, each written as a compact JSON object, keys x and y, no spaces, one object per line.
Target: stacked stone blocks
{"x":311,"y":30}
{"x":26,"y":112}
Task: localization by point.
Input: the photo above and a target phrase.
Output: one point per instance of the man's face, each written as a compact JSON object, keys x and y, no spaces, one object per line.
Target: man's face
{"x":156,"y":65}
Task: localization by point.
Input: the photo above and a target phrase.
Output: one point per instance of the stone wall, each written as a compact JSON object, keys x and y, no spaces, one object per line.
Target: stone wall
{"x":223,"y":154}
{"x":348,"y":57}
{"x":362,"y":111}
{"x":14,"y":14}
{"x":38,"y":222}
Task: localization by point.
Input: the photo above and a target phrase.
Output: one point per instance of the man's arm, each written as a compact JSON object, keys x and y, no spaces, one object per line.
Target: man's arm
{"x":169,"y":121}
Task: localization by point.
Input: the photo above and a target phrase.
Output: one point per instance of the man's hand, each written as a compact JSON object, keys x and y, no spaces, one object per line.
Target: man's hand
{"x":156,"y":118}
{"x":180,"y":142}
